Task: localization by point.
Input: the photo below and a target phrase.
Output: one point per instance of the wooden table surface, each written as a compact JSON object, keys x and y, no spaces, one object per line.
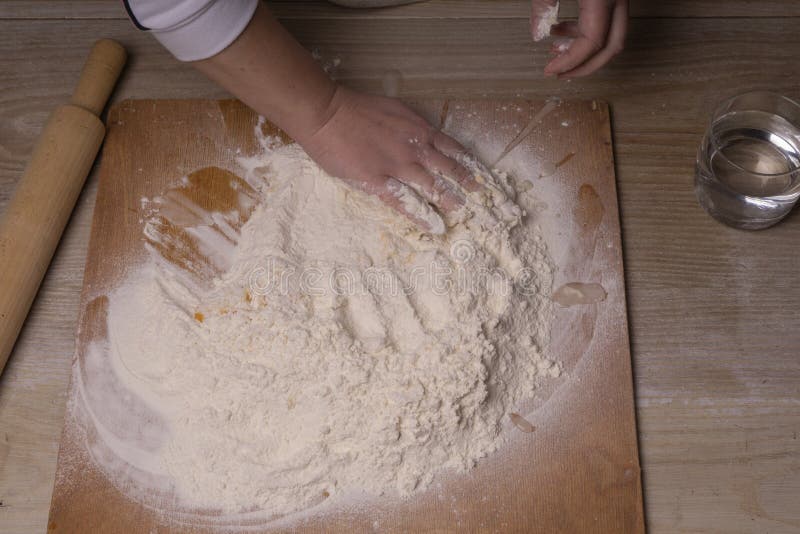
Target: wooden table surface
{"x":714,"y":312}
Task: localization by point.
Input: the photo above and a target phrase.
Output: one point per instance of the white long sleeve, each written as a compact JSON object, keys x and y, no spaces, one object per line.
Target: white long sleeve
{"x":192,"y":29}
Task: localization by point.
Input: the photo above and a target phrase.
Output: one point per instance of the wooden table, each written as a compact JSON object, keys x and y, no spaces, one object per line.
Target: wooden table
{"x":714,"y":312}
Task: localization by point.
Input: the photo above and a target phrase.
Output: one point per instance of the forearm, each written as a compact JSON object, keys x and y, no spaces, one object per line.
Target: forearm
{"x":267,"y":69}
{"x":377,"y":145}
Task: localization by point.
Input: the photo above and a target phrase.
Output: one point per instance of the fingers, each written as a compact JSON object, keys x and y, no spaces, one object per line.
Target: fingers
{"x":406,"y":201}
{"x":615,"y":44}
{"x":415,"y":189}
{"x":561,"y":45}
{"x":598,"y":35}
{"x":444,"y":161}
{"x":591,"y":37}
{"x":434,"y":189}
{"x":448,"y":168}
{"x":447,"y":145}
{"x":579,"y":51}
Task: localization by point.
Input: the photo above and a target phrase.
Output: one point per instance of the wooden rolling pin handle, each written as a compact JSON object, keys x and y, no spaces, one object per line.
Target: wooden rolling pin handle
{"x":99,"y":75}
{"x":34,"y":220}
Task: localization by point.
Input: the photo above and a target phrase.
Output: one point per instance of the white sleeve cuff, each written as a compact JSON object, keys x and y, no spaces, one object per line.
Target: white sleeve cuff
{"x":208,"y":31}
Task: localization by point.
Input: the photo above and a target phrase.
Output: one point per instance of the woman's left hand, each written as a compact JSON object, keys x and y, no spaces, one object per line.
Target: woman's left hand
{"x":591,"y":42}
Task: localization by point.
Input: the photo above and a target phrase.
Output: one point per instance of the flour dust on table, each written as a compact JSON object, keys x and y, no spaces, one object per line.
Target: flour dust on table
{"x":310,"y":344}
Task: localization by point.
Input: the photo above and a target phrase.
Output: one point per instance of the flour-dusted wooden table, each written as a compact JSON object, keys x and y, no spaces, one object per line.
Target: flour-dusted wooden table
{"x":714,"y":312}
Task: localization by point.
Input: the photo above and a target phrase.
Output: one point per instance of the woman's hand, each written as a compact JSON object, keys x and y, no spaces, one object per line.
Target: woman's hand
{"x":588,"y":44}
{"x":382,"y":147}
{"x":375,"y":144}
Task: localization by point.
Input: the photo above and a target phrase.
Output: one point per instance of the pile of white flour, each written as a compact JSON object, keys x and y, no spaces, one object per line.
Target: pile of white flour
{"x":339,"y":348}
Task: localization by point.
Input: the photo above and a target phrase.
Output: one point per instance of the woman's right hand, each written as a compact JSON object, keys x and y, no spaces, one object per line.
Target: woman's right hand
{"x":375,"y":144}
{"x":380,"y":146}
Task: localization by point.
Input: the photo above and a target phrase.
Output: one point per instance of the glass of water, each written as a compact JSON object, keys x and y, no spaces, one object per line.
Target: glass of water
{"x":748,"y":166}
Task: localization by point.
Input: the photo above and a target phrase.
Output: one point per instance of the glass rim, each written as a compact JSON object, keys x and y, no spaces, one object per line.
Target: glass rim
{"x":727,"y":102}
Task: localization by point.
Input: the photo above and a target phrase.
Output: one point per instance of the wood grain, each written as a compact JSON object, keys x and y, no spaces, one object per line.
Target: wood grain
{"x":713,"y":311}
{"x":579,"y":471}
{"x":32,"y":224}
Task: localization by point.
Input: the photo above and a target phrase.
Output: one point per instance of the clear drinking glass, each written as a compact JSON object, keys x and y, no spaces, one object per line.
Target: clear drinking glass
{"x":748,"y":166}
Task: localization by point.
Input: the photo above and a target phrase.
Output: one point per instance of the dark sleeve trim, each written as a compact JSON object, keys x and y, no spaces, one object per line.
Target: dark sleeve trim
{"x":133,"y":17}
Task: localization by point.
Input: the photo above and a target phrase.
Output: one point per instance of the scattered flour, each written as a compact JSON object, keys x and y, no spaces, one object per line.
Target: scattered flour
{"x":337,"y":348}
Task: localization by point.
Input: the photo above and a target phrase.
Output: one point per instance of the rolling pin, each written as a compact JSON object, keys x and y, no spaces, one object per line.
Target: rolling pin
{"x":36,"y":216}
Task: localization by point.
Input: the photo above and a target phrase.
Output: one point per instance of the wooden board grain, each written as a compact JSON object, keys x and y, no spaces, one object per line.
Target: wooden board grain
{"x":579,"y":470}
{"x":714,"y":328}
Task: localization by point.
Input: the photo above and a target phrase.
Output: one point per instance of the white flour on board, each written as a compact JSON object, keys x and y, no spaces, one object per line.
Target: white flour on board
{"x":337,"y":348}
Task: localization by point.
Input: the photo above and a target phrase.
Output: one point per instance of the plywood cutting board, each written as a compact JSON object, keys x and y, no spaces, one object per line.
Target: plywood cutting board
{"x":577,"y":472}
